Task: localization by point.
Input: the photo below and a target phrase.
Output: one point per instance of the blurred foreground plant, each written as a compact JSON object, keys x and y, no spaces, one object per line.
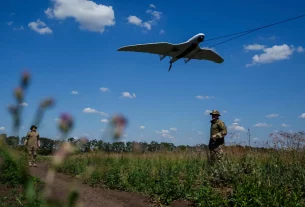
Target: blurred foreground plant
{"x":13,"y":168}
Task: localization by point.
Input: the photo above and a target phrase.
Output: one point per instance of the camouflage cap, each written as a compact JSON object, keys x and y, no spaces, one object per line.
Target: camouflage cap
{"x":215,"y":112}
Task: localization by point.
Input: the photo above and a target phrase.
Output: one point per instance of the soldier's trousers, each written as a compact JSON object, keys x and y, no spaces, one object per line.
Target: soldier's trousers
{"x":216,"y":153}
{"x":32,"y":153}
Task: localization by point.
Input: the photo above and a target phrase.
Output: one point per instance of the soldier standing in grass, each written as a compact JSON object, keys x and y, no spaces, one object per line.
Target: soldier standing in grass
{"x":32,"y":143}
{"x":218,"y":132}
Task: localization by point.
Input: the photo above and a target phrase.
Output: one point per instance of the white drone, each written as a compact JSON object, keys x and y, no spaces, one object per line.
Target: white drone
{"x":187,"y":50}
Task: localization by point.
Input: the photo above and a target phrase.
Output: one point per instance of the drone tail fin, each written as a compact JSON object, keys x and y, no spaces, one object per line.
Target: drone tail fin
{"x":186,"y":60}
{"x":162,"y":57}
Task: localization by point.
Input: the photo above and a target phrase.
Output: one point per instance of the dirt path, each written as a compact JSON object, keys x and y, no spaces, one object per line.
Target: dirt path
{"x":91,"y":197}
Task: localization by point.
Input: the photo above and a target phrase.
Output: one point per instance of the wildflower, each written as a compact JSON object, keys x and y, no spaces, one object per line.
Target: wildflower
{"x":65,"y":123}
{"x":119,"y":122}
{"x":13,"y":109}
{"x":18,"y":92}
{"x":47,"y":103}
{"x":25,"y":79}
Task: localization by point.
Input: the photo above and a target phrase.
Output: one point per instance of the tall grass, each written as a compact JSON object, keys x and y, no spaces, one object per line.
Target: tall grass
{"x":14,"y":175}
{"x":14,"y":172}
{"x":273,"y":178}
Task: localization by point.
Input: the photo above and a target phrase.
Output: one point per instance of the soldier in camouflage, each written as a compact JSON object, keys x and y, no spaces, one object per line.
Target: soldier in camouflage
{"x":32,"y":143}
{"x":217,"y":134}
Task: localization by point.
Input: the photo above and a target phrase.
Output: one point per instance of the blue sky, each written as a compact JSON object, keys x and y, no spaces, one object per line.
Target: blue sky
{"x":72,"y":46}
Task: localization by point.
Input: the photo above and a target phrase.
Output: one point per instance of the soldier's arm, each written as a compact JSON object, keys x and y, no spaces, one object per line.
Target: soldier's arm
{"x":26,"y":139}
{"x":223,"y":129}
{"x":38,"y":140}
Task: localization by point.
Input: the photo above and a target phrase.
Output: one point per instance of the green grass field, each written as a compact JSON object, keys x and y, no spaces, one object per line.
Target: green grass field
{"x":244,"y":179}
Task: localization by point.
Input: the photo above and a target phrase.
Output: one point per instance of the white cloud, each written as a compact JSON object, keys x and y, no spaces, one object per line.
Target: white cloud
{"x":134,"y":20}
{"x":225,"y":111}
{"x":237,"y":127}
{"x":9,"y":23}
{"x":161,"y":31}
{"x":152,"y":6}
{"x":155,"y":17}
{"x":207,"y":112}
{"x":138,"y":22}
{"x":40,"y":27}
{"x":142,"y":127}
{"x":166,"y":133}
{"x":254,"y":47}
{"x":104,"y":89}
{"x":90,"y":110}
{"x":236,"y":120}
{"x":272,"y":115}
{"x":200,"y":133}
{"x":90,"y":15}
{"x":49,"y":13}
{"x":104,"y":121}
{"x":20,"y":28}
{"x":262,"y":125}
{"x":302,"y":116}
{"x":272,"y":54}
{"x":74,"y":92}
{"x":300,"y":49}
{"x":163,"y":131}
{"x":155,"y":14}
{"x":168,"y":136}
{"x":128,"y":95}
{"x":24,"y":104}
{"x":204,"y":97}
{"x":285,"y":125}
{"x":2,"y":128}
{"x":147,"y":25}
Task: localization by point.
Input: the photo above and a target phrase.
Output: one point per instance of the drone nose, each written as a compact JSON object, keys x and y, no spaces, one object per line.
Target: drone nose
{"x":200,"y":38}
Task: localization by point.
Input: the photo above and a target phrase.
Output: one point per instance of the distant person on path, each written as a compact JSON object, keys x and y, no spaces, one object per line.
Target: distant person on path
{"x":218,"y":132}
{"x":32,"y":143}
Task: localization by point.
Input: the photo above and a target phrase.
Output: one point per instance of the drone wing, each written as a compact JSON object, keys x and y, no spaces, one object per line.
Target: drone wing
{"x":206,"y":54}
{"x":159,"y":48}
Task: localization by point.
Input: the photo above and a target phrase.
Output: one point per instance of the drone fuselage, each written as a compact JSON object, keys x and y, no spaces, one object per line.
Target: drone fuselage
{"x":189,"y":47}
{"x":187,"y":50}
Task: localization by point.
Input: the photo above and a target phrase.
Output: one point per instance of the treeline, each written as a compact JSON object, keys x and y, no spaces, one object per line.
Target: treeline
{"x":48,"y":146}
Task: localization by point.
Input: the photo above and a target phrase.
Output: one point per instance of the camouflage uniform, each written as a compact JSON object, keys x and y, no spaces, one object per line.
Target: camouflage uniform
{"x":217,"y":133}
{"x":32,"y":143}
